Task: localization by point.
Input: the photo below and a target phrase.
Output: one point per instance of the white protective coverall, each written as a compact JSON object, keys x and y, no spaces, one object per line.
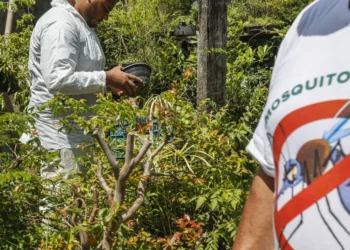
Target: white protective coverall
{"x":65,"y":56}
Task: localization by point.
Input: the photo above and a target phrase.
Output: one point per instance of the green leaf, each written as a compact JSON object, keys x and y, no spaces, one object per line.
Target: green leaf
{"x":102,"y":213}
{"x":213,"y":204}
{"x":234,"y":203}
{"x":200,"y":202}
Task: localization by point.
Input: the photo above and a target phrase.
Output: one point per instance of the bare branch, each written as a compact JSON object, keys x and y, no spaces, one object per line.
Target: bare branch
{"x":139,"y":138}
{"x":146,"y":145}
{"x":12,"y":150}
{"x":99,"y":246}
{"x":107,"y":241}
{"x":83,"y":237}
{"x":18,"y":161}
{"x":119,"y":191}
{"x":146,"y":175}
{"x":141,"y":189}
{"x":84,"y":240}
{"x":94,"y":206}
{"x":83,"y":204}
{"x":67,"y":223}
{"x":129,"y":165}
{"x":103,"y":183}
{"x":160,"y":147}
{"x":80,"y":202}
{"x":132,"y":210}
{"x":8,"y":102}
{"x":98,"y":135}
{"x":129,"y":154}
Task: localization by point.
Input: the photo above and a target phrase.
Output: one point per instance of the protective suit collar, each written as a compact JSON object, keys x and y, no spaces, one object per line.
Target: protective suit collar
{"x":64,"y":4}
{"x":67,"y":6}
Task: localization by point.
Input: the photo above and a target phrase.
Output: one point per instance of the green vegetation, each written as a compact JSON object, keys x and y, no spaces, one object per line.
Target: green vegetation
{"x":199,"y":180}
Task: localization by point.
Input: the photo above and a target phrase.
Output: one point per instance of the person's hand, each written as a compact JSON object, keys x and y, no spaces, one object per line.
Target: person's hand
{"x":120,"y":82}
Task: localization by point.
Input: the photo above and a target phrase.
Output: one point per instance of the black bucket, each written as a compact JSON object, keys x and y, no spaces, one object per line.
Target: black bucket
{"x":142,"y":71}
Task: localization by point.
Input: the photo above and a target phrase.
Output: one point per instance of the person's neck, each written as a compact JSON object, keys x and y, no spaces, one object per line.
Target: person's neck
{"x":72,"y":2}
{"x":76,"y":4}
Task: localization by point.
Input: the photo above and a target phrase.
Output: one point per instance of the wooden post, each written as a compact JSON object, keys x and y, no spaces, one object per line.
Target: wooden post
{"x":211,"y":51}
{"x":9,"y":18}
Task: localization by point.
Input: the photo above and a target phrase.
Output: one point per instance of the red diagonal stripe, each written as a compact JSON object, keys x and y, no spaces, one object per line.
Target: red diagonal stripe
{"x":310,"y":195}
{"x":289,"y":124}
{"x":301,"y":117}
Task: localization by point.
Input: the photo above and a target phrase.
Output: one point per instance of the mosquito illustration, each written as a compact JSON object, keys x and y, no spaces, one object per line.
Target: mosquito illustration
{"x":311,"y":162}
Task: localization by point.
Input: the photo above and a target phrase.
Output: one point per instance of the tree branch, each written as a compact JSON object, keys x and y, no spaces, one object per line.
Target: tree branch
{"x":103,"y":183}
{"x":129,"y":154}
{"x":141,"y":189}
{"x":160,"y":147}
{"x":94,"y":206}
{"x":129,"y":165}
{"x":65,"y":222}
{"x":18,"y":161}
{"x":84,"y":204}
{"x":119,"y":191}
{"x":73,"y":219}
{"x":83,"y":237}
{"x":98,"y":135}
{"x":8,"y":102}
{"x":12,"y":150}
{"x":146,"y":145}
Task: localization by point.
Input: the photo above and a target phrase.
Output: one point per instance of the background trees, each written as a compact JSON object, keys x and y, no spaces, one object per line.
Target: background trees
{"x":198,"y":182}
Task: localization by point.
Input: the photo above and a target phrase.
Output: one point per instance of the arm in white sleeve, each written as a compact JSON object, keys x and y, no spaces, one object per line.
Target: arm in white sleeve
{"x":59,"y":55}
{"x":260,"y":148}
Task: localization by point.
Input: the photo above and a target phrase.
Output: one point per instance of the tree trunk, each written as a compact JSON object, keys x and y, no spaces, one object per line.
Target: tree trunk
{"x":8,"y":103}
{"x":211,"y":51}
{"x":6,"y":97}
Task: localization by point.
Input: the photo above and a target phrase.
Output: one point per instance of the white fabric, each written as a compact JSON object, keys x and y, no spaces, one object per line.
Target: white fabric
{"x":65,"y":56}
{"x":306,"y":115}
{"x":69,"y":166}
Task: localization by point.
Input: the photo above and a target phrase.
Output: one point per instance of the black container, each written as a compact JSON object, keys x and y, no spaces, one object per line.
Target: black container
{"x":183,"y":30}
{"x":142,"y":71}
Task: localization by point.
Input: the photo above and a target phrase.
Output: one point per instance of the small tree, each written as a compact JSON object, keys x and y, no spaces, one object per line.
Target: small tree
{"x":115,"y":211}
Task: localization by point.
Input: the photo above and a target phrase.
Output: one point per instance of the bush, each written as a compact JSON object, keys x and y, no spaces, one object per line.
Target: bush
{"x":198,"y":182}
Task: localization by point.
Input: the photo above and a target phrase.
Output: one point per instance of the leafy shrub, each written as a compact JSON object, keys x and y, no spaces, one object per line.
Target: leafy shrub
{"x":200,"y":179}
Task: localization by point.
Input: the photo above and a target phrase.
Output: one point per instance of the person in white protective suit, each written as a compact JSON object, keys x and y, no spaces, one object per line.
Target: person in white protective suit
{"x":66,"y":57}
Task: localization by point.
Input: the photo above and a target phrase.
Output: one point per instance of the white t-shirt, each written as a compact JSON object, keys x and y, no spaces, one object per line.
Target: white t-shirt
{"x":303,"y":137}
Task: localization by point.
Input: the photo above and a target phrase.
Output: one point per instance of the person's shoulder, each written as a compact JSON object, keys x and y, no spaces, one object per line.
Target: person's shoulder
{"x":55,"y":15}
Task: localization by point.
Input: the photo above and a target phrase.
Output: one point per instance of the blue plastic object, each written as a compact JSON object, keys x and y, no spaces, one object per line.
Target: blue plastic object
{"x":118,"y":136}
{"x":119,"y":133}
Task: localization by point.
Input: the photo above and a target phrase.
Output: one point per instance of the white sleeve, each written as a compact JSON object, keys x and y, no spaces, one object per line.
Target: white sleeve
{"x":59,"y":56}
{"x":260,"y":148}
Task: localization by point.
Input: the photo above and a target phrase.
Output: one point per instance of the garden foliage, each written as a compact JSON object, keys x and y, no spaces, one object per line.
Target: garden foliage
{"x":197,"y":183}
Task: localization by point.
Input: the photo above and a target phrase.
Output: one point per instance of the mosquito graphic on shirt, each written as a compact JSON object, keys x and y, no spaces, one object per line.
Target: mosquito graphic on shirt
{"x":311,"y":161}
